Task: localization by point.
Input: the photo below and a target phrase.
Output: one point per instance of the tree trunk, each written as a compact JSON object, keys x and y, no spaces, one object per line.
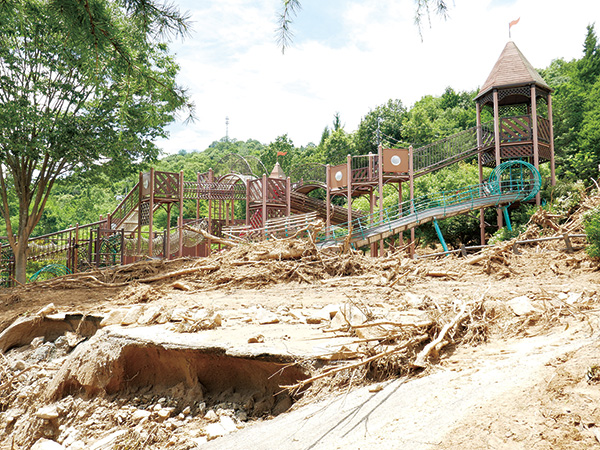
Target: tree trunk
{"x":21,"y":252}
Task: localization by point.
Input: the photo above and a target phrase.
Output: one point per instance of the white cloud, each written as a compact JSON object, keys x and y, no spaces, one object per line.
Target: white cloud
{"x":233,"y":67}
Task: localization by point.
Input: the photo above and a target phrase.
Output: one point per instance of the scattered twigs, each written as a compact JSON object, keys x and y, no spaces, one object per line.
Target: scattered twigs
{"x":332,"y":371}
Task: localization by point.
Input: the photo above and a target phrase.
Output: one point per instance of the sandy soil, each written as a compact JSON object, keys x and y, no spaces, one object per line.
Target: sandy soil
{"x":522,"y":379}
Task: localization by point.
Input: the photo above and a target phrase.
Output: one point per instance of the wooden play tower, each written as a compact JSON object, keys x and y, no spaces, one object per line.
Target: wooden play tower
{"x":520,"y":102}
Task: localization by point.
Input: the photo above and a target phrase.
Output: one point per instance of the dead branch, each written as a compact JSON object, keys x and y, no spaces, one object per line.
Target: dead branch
{"x":396,"y":349}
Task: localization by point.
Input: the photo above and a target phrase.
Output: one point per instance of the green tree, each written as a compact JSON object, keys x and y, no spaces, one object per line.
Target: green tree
{"x":66,"y":107}
{"x":388,"y":119}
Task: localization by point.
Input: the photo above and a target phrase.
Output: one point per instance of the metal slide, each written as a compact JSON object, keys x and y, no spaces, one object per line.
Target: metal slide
{"x":510,"y":182}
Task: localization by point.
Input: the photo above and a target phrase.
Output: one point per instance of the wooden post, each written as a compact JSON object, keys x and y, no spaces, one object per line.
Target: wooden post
{"x":401,"y":235}
{"x":180,"y":252}
{"x":248,"y":201}
{"x":552,"y":168}
{"x":139,"y":217}
{"x":288,"y":196}
{"x":328,"y":199}
{"x":76,"y":255}
{"x":371,"y":210}
{"x":264,"y":202}
{"x":411,"y":181}
{"x":380,"y":189}
{"x":480,"y":167}
{"x":168,"y":252}
{"x":211,"y":177}
{"x":497,"y":147}
{"x":534,"y":132}
{"x":151,"y":215}
{"x":197,"y":247}
{"x":349,"y":190}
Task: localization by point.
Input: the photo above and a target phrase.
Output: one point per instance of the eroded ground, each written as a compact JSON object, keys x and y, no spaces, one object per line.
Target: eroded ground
{"x":177,"y":354}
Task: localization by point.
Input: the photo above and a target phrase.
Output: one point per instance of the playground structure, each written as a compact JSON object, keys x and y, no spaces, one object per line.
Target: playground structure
{"x":516,"y":142}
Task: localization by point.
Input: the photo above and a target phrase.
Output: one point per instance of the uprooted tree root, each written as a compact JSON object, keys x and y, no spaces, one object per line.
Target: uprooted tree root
{"x":409,"y":351}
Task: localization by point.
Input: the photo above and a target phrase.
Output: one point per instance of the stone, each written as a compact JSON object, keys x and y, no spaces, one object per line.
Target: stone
{"x":19,"y":364}
{"x":114,"y":317}
{"x":140,"y":414}
{"x":414,"y":300}
{"x":164,"y":414}
{"x":199,"y":441}
{"x":47,"y":444}
{"x":348,"y":314}
{"x":186,"y":411}
{"x":150,"y":315}
{"x":132,"y":316}
{"x":49,"y":412}
{"x":77,"y":445}
{"x":522,"y":306}
{"x":211,"y":416}
{"x":106,"y":443}
{"x":259,"y":339}
{"x":228,"y":424}
{"x":47,"y":310}
{"x":181,"y":286}
{"x":264,"y":317}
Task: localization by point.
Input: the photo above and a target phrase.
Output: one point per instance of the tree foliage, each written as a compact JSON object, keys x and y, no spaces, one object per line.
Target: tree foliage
{"x":67,"y":107}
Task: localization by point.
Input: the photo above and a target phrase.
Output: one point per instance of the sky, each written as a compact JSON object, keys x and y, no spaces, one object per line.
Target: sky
{"x":348,"y":57}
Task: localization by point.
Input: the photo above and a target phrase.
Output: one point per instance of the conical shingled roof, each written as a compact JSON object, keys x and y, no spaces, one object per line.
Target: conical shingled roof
{"x":512,"y":69}
{"x":277,"y":172}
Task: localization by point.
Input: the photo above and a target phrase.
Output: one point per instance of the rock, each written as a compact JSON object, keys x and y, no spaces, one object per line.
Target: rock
{"x":49,"y":412}
{"x":115,"y":317}
{"x":225,"y":426}
{"x":150,"y":315}
{"x":77,"y":445}
{"x":329,"y":311}
{"x":348,"y":314}
{"x":256,"y":339}
{"x":164,"y":414}
{"x":573,"y":298}
{"x":264,"y":317}
{"x":19,"y":364}
{"x":414,"y":300}
{"x":179,"y":314}
{"x":107,"y":442}
{"x":37,"y":341}
{"x":140,"y":414}
{"x":47,"y":310}
{"x":132,"y":316}
{"x":522,"y":306}
{"x":186,"y":411}
{"x":47,"y":444}
{"x":228,"y":424}
{"x":211,"y":416}
{"x":181,"y":286}
{"x":199,"y":441}
{"x":242,"y":416}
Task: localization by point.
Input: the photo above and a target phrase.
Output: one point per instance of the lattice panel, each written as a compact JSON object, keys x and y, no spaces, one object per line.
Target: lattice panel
{"x":144,"y":212}
{"x":276,"y":190}
{"x":516,"y":151}
{"x":125,"y":208}
{"x":522,"y":90}
{"x":166,"y":184}
{"x":520,"y":109}
{"x":515,"y":129}
{"x":255,"y":188}
{"x":543,"y":129}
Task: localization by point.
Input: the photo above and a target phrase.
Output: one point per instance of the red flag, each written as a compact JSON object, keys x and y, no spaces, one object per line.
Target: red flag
{"x":281,"y":153}
{"x":514,"y":22}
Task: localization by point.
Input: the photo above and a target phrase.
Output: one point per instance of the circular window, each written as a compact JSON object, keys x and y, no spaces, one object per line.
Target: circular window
{"x":396,"y":160}
{"x":339,"y":175}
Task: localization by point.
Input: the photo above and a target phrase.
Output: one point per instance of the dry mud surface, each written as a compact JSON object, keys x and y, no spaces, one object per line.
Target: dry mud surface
{"x":264,"y":348}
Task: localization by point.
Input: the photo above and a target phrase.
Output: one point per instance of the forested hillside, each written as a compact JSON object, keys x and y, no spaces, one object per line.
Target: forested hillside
{"x":576,"y":104}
